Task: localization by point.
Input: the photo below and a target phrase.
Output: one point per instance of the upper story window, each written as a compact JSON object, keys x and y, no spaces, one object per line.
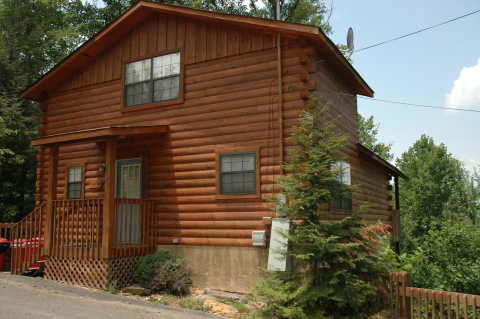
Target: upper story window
{"x":238,"y":173}
{"x":343,"y":201}
{"x":74,"y":182}
{"x":153,"y":80}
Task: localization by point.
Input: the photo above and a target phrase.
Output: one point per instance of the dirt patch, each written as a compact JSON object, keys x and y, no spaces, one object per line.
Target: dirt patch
{"x":201,"y":300}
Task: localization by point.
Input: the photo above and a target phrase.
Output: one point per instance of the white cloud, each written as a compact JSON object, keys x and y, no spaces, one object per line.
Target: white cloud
{"x":466,"y":88}
{"x":471,"y":164}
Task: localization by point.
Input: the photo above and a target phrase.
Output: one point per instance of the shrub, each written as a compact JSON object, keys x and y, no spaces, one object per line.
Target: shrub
{"x":163,"y":272}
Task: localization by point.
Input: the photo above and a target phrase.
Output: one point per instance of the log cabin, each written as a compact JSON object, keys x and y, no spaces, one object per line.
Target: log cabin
{"x":167,"y":131}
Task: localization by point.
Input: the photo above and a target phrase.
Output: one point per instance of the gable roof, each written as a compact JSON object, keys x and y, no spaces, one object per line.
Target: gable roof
{"x":114,"y":31}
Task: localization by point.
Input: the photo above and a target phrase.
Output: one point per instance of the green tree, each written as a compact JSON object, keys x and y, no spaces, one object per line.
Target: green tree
{"x":34,"y":36}
{"x":367,"y":136}
{"x":437,"y":189}
{"x":313,"y":12}
{"x":338,"y":265}
{"x":448,"y":258}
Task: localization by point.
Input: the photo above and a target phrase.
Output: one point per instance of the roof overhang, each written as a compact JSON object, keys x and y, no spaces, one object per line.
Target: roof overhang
{"x":99,"y":133}
{"x":114,"y":31}
{"x":389,"y":167}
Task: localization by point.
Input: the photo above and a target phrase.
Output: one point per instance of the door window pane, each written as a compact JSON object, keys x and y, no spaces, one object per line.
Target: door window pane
{"x":130,"y":181}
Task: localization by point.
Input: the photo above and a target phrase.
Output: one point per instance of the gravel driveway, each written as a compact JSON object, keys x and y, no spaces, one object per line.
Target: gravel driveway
{"x":24,"y":297}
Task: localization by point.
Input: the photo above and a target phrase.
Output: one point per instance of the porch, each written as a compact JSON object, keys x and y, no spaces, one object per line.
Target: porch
{"x":89,"y":241}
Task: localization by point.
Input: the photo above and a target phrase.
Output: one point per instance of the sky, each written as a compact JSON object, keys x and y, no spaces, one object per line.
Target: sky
{"x":437,"y":67}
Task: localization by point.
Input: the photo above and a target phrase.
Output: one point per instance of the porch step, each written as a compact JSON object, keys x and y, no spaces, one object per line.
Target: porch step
{"x":38,"y":265}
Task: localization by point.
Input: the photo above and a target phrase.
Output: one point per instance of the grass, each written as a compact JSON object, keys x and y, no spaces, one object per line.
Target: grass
{"x":194,"y":304}
{"x":240,"y":306}
{"x":112,"y":287}
{"x":165,"y":300}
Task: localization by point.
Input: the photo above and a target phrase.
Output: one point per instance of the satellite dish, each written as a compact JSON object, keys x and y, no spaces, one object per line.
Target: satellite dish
{"x":350,"y":43}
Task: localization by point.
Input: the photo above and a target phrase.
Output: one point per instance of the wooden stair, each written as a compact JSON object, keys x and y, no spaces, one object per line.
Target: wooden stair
{"x":26,"y":241}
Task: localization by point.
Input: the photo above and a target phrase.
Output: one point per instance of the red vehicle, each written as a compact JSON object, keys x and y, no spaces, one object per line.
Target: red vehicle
{"x":4,"y":244}
{"x":26,"y":254}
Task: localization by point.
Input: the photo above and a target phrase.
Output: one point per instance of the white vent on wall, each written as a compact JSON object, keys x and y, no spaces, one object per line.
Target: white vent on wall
{"x":259,"y":238}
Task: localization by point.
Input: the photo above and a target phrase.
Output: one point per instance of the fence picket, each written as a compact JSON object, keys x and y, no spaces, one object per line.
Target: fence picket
{"x":419,"y":303}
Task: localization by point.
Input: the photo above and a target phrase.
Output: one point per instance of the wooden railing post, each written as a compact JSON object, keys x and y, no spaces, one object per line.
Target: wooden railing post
{"x":51,"y":196}
{"x":405,"y":299}
{"x":109,"y":198}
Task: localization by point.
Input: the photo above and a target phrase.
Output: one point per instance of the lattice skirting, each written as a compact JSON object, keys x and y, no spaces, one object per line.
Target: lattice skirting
{"x":94,"y":273}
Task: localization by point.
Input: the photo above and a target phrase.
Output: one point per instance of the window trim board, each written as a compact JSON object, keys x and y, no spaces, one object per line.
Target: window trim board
{"x":140,"y":107}
{"x":237,"y":149}
{"x":82,"y":166}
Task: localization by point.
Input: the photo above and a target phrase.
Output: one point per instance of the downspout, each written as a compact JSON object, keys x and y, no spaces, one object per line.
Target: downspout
{"x":397,"y":211}
{"x":280,"y":87}
{"x":280,"y":96}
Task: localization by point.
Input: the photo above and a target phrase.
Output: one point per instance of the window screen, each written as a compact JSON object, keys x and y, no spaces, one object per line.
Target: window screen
{"x":74,"y":182}
{"x":152,"y":80}
{"x":343,"y":171}
{"x":238,"y":173}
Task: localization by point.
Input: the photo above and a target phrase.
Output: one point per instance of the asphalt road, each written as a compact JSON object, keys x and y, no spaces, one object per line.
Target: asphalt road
{"x":35,"y":298}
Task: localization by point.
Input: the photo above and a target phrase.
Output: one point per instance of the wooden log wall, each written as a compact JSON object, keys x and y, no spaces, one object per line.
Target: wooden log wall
{"x":230,"y":99}
{"x":369,"y":178}
{"x":373,"y":191}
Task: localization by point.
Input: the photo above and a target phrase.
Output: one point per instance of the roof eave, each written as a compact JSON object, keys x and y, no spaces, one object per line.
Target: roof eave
{"x":391,"y":168}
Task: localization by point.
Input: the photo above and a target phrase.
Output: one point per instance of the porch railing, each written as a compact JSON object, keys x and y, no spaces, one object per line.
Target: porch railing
{"x":77,"y":228}
{"x":27,"y":239}
{"x":134,"y":226}
{"x":6,"y":230}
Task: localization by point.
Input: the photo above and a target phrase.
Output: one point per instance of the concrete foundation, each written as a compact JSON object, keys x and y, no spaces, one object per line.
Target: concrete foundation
{"x":224,"y":268}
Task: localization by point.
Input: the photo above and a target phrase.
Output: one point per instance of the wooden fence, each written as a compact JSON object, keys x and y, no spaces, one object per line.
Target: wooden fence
{"x":411,"y":303}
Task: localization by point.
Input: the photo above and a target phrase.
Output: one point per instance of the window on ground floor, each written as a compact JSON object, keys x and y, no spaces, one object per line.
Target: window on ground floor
{"x":74,"y":182}
{"x":238,"y":173}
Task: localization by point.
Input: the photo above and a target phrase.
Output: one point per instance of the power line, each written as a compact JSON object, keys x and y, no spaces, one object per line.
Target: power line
{"x":418,"y":31}
{"x":453,"y":108}
{"x":459,"y":108}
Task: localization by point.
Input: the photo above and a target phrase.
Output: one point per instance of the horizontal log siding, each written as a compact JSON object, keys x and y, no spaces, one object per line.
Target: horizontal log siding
{"x":372,"y":183}
{"x":369,"y":178}
{"x":231,"y":99}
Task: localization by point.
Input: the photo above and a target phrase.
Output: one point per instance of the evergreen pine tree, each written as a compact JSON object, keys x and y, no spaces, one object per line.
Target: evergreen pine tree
{"x":339,"y":266}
